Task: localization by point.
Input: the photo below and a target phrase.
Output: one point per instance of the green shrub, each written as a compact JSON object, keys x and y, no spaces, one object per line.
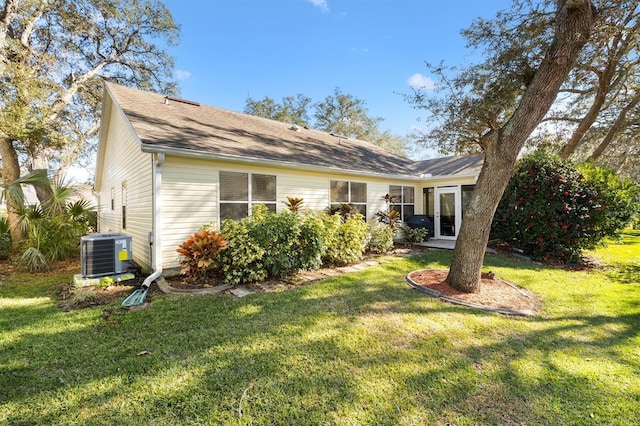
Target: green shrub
{"x":53,"y":229}
{"x":278,"y":235}
{"x":5,"y":246}
{"x":310,"y":244}
{"x":618,"y":198}
{"x":414,"y":235}
{"x":200,"y":253}
{"x":380,"y":239}
{"x":241,"y":262}
{"x":550,"y":209}
{"x":5,"y":239}
{"x":345,"y":239}
{"x":105,"y":282}
{"x":270,"y":245}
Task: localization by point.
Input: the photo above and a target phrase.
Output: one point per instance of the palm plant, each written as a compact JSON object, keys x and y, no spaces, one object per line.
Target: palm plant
{"x":13,"y":191}
{"x":52,"y":230}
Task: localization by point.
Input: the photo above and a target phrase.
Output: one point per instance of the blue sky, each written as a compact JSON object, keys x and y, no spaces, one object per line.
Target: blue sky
{"x":374,"y":50}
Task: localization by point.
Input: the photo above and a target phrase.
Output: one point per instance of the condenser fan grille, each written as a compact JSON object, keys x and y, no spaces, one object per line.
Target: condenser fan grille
{"x":105,"y":254}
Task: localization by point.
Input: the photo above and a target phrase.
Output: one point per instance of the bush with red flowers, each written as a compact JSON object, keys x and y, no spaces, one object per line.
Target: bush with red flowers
{"x":551,"y":209}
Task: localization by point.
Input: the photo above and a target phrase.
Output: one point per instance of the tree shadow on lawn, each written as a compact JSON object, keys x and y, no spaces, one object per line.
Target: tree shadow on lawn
{"x":625,"y":273}
{"x":362,"y":346}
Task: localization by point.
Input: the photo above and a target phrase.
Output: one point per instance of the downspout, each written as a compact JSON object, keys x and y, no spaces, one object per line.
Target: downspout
{"x":154,"y":236}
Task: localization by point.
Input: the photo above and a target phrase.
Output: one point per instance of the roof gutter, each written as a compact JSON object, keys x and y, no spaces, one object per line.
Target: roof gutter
{"x":450,"y":177}
{"x":262,"y":162}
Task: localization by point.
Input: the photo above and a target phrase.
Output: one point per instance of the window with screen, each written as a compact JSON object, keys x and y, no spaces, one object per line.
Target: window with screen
{"x":345,"y":192}
{"x":403,"y":200}
{"x":239,"y":191}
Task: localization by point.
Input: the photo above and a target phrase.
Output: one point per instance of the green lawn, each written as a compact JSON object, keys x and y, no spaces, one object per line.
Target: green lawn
{"x":361,"y":348}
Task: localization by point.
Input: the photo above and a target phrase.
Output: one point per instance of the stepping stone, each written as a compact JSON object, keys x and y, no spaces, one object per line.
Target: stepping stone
{"x":264,"y":286}
{"x":330,"y":272}
{"x":241,"y":292}
{"x":313,"y":276}
{"x":346,"y":269}
{"x":298,"y":279}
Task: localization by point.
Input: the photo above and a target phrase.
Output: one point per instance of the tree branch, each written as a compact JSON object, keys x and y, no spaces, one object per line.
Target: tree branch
{"x":7,"y":15}
{"x":30,"y":25}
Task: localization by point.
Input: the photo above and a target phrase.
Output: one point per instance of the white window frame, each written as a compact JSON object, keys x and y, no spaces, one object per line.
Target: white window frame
{"x":359,"y":203}
{"x":401,"y":204}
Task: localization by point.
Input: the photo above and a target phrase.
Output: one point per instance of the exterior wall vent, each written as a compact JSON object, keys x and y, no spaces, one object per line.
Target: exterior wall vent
{"x":105,"y":254}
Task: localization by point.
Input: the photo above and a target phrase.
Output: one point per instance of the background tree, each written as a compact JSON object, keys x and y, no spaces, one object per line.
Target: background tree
{"x":53,"y":57}
{"x":339,"y":113}
{"x":595,"y":115}
{"x":603,"y":88}
{"x":292,"y":109}
{"x":498,"y":103}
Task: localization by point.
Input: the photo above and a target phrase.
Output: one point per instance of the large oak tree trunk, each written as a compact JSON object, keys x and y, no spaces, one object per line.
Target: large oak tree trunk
{"x":11,"y":173}
{"x":574,"y":21}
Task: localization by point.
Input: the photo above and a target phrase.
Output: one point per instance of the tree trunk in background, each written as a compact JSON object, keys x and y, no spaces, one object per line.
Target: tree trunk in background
{"x":39,"y":161}
{"x":616,"y":128}
{"x":574,"y":21}
{"x":587,"y":121}
{"x":11,"y":173}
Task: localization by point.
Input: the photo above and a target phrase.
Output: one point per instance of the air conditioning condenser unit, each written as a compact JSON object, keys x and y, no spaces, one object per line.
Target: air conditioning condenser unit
{"x":105,"y":254}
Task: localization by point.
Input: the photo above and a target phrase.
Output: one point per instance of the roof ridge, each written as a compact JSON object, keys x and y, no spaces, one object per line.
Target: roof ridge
{"x":204,"y":128}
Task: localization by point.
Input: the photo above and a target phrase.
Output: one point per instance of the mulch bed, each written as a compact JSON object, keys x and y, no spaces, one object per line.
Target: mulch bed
{"x":494,"y":292}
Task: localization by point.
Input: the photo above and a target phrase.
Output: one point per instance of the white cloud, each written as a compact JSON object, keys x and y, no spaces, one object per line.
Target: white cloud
{"x":321,"y":4}
{"x":183,"y":75}
{"x":419,"y":81}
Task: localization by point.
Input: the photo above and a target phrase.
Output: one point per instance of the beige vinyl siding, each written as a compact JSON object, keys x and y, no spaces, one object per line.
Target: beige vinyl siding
{"x":125,"y":163}
{"x":189,"y":196}
{"x":375,"y":198}
{"x":312,"y":188}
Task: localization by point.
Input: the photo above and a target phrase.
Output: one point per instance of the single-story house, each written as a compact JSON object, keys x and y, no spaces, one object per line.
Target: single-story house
{"x":166,"y":166}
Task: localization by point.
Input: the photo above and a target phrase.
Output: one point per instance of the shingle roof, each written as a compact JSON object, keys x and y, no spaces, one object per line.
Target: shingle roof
{"x":450,"y":166}
{"x":175,"y":125}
